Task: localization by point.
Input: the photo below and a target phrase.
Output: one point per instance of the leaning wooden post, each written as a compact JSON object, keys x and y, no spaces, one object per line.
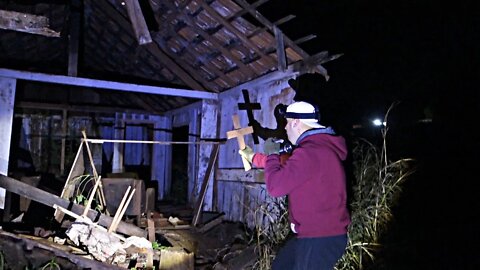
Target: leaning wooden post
{"x":95,"y":174}
{"x":90,"y":198}
{"x":119,"y":209}
{"x":238,"y":133}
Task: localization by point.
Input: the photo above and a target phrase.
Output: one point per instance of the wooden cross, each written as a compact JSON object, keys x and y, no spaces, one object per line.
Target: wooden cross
{"x":249,"y":107}
{"x":238,"y":133}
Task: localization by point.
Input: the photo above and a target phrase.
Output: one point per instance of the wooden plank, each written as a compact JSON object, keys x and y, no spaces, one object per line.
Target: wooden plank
{"x":118,"y":86}
{"x":152,"y":48}
{"x":74,"y":22}
{"x":282,"y":60}
{"x":198,"y":206}
{"x":304,"y":39}
{"x":235,"y":31}
{"x":7,"y":102}
{"x":239,"y":175}
{"x":138,"y":22}
{"x":257,"y":15}
{"x":49,"y":199}
{"x":27,"y":23}
{"x":216,"y":44}
{"x":32,"y":246}
{"x":77,"y":108}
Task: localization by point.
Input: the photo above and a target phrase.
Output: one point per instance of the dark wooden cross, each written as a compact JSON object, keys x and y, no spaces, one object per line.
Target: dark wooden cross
{"x":249,"y":107}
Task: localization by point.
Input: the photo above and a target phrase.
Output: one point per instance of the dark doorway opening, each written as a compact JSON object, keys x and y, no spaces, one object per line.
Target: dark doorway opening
{"x":179,"y":187}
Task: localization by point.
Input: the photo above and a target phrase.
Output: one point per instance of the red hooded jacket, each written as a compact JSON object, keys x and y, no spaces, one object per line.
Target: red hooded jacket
{"x":315,"y":182}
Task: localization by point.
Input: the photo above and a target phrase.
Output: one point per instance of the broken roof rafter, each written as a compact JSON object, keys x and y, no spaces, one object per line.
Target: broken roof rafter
{"x":204,"y":35}
{"x":215,"y":44}
{"x":211,"y":11}
{"x":151,"y":47}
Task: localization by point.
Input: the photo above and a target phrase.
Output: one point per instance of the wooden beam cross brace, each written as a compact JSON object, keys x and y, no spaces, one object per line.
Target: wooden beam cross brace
{"x":249,"y":107}
{"x":238,"y":133}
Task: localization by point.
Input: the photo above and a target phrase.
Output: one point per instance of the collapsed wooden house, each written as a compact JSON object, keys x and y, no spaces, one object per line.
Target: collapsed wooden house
{"x":154,"y":84}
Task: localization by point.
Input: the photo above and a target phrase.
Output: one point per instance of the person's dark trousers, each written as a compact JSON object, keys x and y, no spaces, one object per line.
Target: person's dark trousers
{"x":310,"y":253}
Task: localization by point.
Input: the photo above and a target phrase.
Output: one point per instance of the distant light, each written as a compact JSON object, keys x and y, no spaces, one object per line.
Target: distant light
{"x":123,"y":3}
{"x":377,"y":122}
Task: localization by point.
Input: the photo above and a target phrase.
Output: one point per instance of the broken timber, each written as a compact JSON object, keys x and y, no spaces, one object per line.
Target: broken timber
{"x":28,"y":23}
{"x":49,"y":199}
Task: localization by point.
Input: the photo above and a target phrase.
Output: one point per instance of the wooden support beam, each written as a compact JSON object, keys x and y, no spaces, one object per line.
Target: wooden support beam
{"x":7,"y":102}
{"x":239,"y":175}
{"x":276,"y":23}
{"x":74,"y":24}
{"x":118,"y":86}
{"x":76,"y":108}
{"x":304,"y":39}
{"x":282,"y":60}
{"x":199,"y":205}
{"x":138,"y":22}
{"x":216,"y":43}
{"x":236,"y":32}
{"x":46,"y":198}
{"x":28,"y":23}
{"x":153,"y":48}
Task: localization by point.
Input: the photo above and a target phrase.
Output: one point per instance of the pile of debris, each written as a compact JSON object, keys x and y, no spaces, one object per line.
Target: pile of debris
{"x":88,"y":239}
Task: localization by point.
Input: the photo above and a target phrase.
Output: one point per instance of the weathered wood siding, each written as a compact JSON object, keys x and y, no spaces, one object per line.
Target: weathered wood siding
{"x":240,"y":193}
{"x":7,"y":99}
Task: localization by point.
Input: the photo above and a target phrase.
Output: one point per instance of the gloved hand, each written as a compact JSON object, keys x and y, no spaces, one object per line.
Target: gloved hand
{"x":271,"y":147}
{"x":247,"y":153}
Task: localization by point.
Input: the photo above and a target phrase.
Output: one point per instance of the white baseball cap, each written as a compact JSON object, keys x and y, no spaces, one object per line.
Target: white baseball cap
{"x":305,"y":112}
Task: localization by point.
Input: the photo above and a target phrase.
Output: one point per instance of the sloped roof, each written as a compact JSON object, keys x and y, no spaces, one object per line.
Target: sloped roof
{"x":209,"y":46}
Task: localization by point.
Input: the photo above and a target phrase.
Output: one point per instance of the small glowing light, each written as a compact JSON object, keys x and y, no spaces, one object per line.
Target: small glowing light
{"x":123,"y":3}
{"x":377,"y":122}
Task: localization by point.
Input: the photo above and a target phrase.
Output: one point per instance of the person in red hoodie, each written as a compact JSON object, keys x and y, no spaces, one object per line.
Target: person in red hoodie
{"x":314,"y":179}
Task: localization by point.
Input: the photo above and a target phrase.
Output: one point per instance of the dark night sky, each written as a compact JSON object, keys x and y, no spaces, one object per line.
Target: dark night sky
{"x":425,"y":54}
{"x":421,"y":53}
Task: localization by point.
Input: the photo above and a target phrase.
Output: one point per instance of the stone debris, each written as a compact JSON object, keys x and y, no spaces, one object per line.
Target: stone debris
{"x":102,"y":245}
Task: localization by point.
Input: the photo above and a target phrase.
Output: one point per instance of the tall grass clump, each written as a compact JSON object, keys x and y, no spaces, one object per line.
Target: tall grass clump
{"x":376,"y":188}
{"x":272,"y":228}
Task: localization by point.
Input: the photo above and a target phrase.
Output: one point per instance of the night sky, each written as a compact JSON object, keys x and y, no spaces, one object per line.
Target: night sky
{"x":425,"y":55}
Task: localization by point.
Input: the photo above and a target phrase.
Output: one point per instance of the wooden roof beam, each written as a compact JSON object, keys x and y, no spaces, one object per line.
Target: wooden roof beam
{"x":304,"y":39}
{"x":215,"y":42}
{"x":277,"y":23}
{"x":318,"y":68}
{"x":244,"y":11}
{"x":236,"y":32}
{"x":153,"y":49}
{"x":270,"y":26}
{"x":282,"y":59}
{"x":28,"y":23}
{"x":109,"y":85}
{"x":138,"y":22}
{"x":78,"y":108}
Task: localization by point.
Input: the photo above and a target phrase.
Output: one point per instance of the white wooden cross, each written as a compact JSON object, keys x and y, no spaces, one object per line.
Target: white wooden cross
{"x":238,"y":133}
